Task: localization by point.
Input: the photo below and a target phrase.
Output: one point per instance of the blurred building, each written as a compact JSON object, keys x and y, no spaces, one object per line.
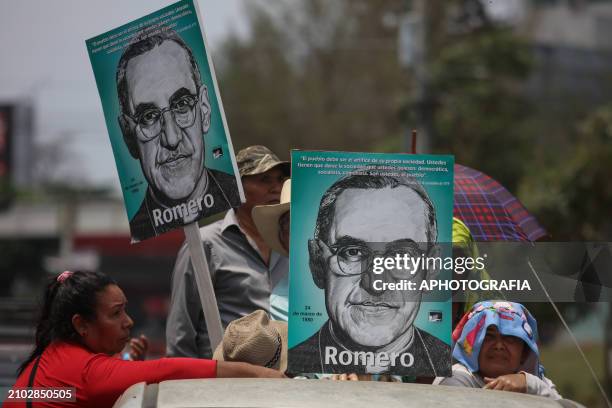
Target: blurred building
{"x":579,"y":25}
{"x":49,"y":237}
{"x":572,"y":49}
{"x":40,"y":239}
{"x":16,"y":148}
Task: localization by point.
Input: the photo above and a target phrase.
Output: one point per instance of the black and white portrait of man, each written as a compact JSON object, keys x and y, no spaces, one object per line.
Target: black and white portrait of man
{"x":165,"y":113}
{"x":371,"y":330}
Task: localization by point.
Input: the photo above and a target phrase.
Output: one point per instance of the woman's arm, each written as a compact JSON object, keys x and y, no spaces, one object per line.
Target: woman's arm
{"x":525,"y":383}
{"x":229,"y":369}
{"x":543,"y":387}
{"x":461,"y":377}
{"x":105,"y":378}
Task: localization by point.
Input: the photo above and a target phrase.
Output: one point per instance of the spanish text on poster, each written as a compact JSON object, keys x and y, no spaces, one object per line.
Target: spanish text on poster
{"x":165,"y":120}
{"x":356,"y":220}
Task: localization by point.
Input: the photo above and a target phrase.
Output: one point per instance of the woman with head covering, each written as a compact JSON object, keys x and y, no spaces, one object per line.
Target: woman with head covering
{"x":83,"y":324}
{"x":495,"y":346}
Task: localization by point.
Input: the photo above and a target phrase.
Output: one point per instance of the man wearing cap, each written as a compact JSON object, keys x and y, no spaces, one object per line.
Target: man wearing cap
{"x":272,"y":222}
{"x":242,"y":266}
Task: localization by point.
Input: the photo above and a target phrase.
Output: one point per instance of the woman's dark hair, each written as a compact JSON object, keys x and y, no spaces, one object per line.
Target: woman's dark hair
{"x":65,"y":296}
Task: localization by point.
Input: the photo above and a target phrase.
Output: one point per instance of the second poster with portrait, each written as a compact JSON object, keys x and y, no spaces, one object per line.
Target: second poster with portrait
{"x":348,"y":311}
{"x":165,"y":120}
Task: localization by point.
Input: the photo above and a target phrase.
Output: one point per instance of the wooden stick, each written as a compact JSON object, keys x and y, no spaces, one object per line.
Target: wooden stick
{"x":204,"y":284}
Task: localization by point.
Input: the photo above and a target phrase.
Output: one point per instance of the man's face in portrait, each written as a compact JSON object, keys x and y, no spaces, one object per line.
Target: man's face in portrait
{"x":168,"y":114}
{"x":396,"y":223}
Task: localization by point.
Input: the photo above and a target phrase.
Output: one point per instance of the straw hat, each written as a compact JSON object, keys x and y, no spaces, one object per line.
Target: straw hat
{"x":266,"y":219}
{"x":255,"y":339}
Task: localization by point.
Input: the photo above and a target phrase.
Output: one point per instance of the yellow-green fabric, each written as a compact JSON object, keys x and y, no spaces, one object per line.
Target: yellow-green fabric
{"x":464,"y":242}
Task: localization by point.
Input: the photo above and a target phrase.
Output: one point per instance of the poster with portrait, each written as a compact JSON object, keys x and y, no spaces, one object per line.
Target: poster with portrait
{"x":362,"y":228}
{"x":165,"y":120}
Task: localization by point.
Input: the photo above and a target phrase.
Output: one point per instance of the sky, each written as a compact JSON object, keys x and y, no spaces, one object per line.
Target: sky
{"x":44,"y":61}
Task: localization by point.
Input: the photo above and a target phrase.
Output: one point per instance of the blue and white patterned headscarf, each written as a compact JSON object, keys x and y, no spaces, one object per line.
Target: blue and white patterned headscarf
{"x":511,"y":319}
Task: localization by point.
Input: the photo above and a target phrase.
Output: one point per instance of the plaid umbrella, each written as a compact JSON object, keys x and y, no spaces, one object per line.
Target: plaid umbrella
{"x":490,"y":211}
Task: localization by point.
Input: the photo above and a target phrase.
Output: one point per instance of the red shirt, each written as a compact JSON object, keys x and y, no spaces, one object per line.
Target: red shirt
{"x":100,"y":379}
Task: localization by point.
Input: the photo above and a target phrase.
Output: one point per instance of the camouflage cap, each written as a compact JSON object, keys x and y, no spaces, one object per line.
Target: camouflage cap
{"x":258,"y":159}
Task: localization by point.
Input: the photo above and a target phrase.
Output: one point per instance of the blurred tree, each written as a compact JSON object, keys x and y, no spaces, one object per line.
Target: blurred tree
{"x":569,"y":188}
{"x":475,"y":95}
{"x":325,"y":75}
{"x":316,"y":74}
{"x":587,"y":183}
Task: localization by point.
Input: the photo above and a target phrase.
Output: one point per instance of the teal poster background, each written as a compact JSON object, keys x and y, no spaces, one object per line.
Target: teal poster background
{"x":105,"y":51}
{"x":307,"y":311}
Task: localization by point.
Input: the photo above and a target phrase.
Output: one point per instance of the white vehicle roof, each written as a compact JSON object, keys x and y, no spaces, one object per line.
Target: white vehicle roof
{"x":249,"y":392}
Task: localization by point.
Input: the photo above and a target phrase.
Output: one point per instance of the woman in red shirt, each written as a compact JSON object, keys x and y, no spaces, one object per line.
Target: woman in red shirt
{"x":83,"y":324}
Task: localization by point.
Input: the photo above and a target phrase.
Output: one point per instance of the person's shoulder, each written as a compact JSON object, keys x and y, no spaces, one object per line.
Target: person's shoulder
{"x":304,"y":357}
{"x":432,"y":342}
{"x":225,"y":180}
{"x":63,"y":354}
{"x":220,"y":174}
{"x":59,"y":362}
{"x":66,"y":348}
{"x":309,"y":345}
{"x":212,"y":230}
{"x":140,"y":224}
{"x":461,"y":377}
{"x":228,"y":186}
{"x":142,"y":210}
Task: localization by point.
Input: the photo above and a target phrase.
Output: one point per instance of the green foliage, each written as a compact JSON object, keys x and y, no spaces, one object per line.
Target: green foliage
{"x":587,"y":184}
{"x":569,"y":188}
{"x":316,"y":74}
{"x":325,"y":75}
{"x":479,"y":101}
{"x":563,"y":362}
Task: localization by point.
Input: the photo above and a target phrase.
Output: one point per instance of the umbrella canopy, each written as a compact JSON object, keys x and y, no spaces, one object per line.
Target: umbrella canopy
{"x":490,"y":211}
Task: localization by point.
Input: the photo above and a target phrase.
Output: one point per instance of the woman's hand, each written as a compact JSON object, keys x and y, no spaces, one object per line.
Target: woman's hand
{"x":508,"y":382}
{"x":344,"y":377}
{"x":139,"y":347}
{"x":351,"y":377}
